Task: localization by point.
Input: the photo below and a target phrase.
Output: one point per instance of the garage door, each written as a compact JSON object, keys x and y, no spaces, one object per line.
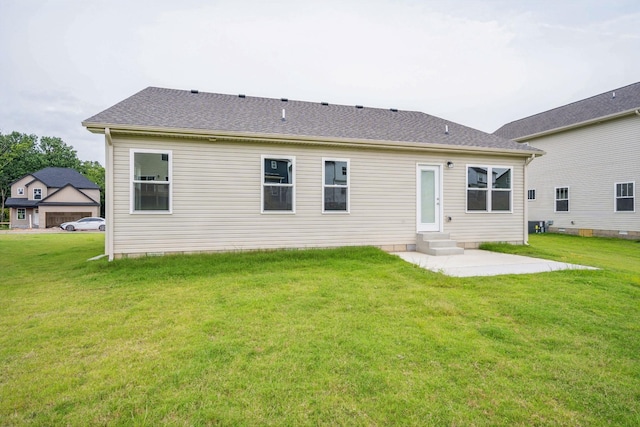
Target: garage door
{"x":54,"y":219}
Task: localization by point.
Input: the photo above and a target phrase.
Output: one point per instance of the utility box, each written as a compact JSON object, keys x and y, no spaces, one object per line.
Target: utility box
{"x":537,"y":227}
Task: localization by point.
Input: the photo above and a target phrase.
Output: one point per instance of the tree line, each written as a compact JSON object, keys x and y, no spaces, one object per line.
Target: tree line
{"x":22,"y":154}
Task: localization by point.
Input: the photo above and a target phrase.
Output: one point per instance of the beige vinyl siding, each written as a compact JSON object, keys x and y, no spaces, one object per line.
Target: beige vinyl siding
{"x":588,"y":160}
{"x":71,"y":195}
{"x":216,"y":199}
{"x":22,"y":183}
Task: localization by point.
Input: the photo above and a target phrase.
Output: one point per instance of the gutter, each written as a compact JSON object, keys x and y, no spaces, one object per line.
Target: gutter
{"x":526,"y":200}
{"x":108,"y":196}
{"x":299,"y":139}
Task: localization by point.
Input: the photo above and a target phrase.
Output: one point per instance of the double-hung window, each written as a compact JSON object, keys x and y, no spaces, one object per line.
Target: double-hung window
{"x":335,"y":185}
{"x":278,"y":184}
{"x":489,"y":189}
{"x":150,"y":181}
{"x":562,"y":199}
{"x":37,"y":194}
{"x":22,"y":213}
{"x":625,"y":199}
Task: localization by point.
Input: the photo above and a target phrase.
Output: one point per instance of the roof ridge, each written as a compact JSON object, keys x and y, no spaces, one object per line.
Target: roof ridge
{"x":285,"y":99}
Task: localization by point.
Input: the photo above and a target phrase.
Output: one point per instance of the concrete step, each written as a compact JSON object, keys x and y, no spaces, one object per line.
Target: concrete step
{"x":446,"y":251}
{"x":441,"y":243}
{"x":437,"y":244}
{"x":433,"y":236}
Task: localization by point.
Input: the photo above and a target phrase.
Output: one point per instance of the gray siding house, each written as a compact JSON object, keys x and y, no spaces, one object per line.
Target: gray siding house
{"x":586,"y":183}
{"x":51,"y":196}
{"x":189,"y":172}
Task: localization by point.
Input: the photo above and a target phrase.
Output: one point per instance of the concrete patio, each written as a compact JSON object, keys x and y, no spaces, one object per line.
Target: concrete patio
{"x":476,"y":262}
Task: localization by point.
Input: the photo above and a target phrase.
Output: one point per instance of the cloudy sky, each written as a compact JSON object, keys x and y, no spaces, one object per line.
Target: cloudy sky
{"x":479,"y":63}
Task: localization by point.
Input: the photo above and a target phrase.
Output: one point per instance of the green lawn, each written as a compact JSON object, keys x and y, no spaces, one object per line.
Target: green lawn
{"x":350,"y":336}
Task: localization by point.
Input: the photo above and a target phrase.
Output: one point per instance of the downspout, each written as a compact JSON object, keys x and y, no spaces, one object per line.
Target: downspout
{"x":108,"y":197}
{"x":526,"y":200}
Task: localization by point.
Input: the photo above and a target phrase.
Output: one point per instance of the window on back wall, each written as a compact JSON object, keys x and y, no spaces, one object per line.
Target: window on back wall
{"x":150,"y":181}
{"x":335,"y":185}
{"x":562,"y":199}
{"x":625,"y":198}
{"x":278,"y":184}
{"x":489,"y":189}
{"x":22,"y":213}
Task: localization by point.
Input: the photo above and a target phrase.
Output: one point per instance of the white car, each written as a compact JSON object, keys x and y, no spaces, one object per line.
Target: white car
{"x":88,"y":223}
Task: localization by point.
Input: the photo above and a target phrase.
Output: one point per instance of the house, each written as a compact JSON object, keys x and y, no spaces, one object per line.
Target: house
{"x":188,"y":171}
{"x":586,"y":183}
{"x":51,"y":196}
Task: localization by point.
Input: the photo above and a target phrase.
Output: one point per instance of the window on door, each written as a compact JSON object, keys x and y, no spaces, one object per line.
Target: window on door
{"x":562,"y":199}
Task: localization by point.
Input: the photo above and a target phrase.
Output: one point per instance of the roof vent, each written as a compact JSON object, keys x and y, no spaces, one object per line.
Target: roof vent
{"x":284,"y":117}
{"x":395,"y":110}
{"x":446,"y":129}
{"x":194,"y":90}
{"x":613,"y":95}
{"x":324,"y":103}
{"x":242,"y":95}
{"x":359,"y":106}
{"x":284,"y":100}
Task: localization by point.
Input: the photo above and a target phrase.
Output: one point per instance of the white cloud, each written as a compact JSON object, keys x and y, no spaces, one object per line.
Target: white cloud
{"x":478,"y":63}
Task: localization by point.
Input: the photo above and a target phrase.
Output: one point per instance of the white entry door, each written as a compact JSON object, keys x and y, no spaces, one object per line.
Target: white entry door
{"x":429,"y":189}
{"x":36,"y":218}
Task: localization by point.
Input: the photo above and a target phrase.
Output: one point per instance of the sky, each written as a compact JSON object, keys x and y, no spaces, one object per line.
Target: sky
{"x":478,"y":63}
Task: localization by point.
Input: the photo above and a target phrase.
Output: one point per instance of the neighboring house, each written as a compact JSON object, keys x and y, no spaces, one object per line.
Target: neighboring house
{"x":51,"y":196}
{"x":190,"y":172}
{"x":587,"y":182}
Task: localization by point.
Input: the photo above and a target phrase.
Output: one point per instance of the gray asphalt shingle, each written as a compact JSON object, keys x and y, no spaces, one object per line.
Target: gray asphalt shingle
{"x":59,"y":177}
{"x":211,"y":112}
{"x":605,"y":104}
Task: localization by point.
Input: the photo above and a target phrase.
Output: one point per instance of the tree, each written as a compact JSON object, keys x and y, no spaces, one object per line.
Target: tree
{"x":55,"y":153}
{"x":95,"y":172}
{"x":14,"y":150}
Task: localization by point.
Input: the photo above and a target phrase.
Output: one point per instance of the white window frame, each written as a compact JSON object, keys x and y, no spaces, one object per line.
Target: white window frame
{"x":530,"y":192}
{"x":20,"y":191}
{"x":488,"y":190}
{"x":292,"y":159}
{"x":24,"y":214}
{"x":132,"y":190}
{"x":39,"y":193}
{"x":347,"y":186}
{"x":615,"y":196}
{"x":555,"y":198}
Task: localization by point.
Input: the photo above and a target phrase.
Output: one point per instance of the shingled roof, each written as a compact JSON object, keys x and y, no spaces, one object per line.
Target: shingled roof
{"x":608,"y":104}
{"x":162,"y":109}
{"x":59,"y":177}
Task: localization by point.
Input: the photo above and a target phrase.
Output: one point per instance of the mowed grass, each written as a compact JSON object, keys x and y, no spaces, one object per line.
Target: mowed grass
{"x":350,"y":337}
